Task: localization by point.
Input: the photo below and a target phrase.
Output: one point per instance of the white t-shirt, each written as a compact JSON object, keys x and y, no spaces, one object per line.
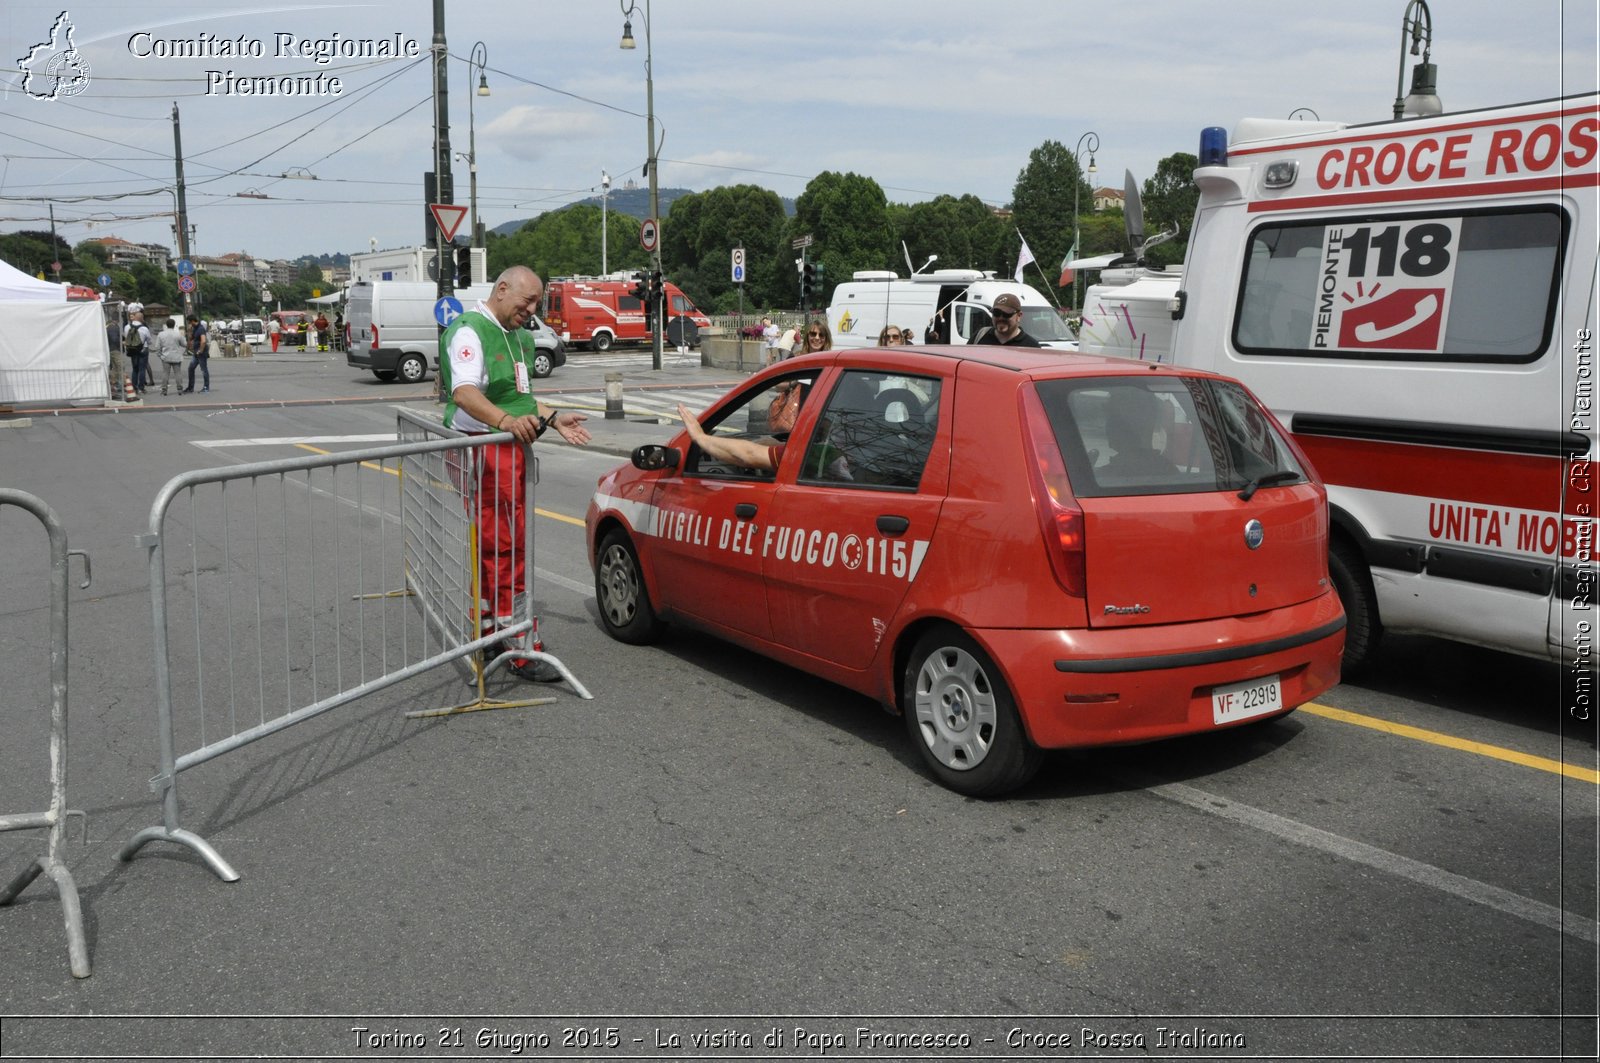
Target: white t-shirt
{"x":467,"y":367}
{"x":770,"y":334}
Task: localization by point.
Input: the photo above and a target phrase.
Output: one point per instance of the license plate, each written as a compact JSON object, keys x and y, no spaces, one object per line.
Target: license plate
{"x":1242,"y":701}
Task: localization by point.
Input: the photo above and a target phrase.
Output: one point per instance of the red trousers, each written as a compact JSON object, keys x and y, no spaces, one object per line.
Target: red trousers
{"x":502,"y":523}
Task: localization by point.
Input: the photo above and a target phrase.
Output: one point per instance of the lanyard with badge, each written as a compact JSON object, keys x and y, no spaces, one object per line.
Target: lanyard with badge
{"x":524,"y":383}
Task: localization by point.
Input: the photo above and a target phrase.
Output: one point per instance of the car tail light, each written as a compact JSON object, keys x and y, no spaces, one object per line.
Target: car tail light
{"x":374,"y":335}
{"x":1060,"y":519}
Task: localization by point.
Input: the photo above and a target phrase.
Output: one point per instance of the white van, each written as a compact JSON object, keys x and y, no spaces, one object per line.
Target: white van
{"x":393,"y":332}
{"x":1128,"y":313}
{"x":944,"y":306}
{"x":1415,"y":301}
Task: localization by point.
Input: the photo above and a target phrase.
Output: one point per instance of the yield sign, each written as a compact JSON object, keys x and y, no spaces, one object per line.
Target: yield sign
{"x":449,"y":216}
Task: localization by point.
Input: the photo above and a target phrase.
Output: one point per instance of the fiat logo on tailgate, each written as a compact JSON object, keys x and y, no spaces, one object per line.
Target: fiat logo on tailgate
{"x":1254,"y":534}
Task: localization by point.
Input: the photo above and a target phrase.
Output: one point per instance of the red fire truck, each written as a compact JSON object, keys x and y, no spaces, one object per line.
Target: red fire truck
{"x":601,"y":311}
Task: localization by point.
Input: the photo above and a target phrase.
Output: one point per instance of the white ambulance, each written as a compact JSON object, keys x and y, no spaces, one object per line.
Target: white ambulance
{"x":943,"y":306}
{"x":1415,"y":300}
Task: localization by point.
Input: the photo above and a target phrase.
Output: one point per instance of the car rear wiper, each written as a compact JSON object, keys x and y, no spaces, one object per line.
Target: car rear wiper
{"x":1282,"y":476}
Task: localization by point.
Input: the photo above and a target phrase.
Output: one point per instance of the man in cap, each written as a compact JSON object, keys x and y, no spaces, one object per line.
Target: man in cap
{"x":1007,"y":330}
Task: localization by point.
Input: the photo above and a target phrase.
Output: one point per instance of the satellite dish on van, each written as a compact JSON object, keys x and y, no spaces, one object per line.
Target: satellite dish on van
{"x":1133,"y":220}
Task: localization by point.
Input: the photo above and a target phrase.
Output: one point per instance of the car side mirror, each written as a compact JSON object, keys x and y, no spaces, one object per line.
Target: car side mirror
{"x":654,"y":456}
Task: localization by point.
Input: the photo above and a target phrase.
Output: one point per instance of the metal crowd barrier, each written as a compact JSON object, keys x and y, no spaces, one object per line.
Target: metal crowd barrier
{"x":294,"y":585}
{"x":54,"y":819}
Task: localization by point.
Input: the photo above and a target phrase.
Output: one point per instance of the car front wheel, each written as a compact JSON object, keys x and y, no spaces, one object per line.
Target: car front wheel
{"x":542,"y":366}
{"x":619,"y":590}
{"x":412,"y":369}
{"x":962,"y":718}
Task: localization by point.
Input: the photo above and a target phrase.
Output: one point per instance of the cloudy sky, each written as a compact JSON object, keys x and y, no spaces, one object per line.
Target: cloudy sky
{"x":925,"y":96}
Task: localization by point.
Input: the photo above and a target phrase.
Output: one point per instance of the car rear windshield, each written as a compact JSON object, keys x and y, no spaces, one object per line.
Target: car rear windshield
{"x":1149,"y":435}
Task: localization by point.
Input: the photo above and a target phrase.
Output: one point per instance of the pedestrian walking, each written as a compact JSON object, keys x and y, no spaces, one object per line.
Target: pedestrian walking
{"x":170,"y":348}
{"x":199,"y":346}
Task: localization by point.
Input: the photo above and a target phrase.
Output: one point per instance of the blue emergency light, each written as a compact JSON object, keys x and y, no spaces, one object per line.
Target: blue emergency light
{"x":1213,"y":146}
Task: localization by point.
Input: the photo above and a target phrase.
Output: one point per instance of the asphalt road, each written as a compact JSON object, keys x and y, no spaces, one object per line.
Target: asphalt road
{"x":717,"y":843}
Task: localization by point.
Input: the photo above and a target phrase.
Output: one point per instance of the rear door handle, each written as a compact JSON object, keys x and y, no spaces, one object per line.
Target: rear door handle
{"x":892,"y":525}
{"x":745,"y":510}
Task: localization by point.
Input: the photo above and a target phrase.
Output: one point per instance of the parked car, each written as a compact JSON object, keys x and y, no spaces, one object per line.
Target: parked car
{"x":1016,"y":550}
{"x":394,"y":334}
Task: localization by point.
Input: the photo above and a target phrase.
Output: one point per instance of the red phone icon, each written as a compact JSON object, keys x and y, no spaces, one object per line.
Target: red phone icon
{"x":1409,"y":320}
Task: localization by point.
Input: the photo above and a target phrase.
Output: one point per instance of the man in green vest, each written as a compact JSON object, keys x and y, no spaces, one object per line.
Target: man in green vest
{"x":485,"y":367}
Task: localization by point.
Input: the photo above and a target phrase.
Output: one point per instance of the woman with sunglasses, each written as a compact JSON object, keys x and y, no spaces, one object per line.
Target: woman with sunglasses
{"x":815,"y":337}
{"x":890,"y":336}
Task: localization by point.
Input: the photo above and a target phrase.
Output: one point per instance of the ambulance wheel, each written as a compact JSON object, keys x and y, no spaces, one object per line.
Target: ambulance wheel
{"x":1353,"y":583}
{"x":541,"y":364}
{"x":619,"y":590}
{"x":601,"y":341}
{"x":412,"y":369}
{"x":962,"y":718}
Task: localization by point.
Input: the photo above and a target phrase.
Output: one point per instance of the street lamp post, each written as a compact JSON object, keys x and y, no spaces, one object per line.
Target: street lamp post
{"x":629,"y":9}
{"x":1077,"y":184}
{"x":480,"y":59}
{"x":1424,"y":98}
{"x":605,"y":192}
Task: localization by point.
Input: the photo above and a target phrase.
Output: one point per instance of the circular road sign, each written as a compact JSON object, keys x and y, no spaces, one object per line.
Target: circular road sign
{"x":649,"y":235}
{"x":446,"y":310}
{"x":185,"y":267}
{"x":186,"y":283}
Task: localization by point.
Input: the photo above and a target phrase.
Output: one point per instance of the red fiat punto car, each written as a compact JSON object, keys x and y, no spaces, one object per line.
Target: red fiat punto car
{"x":1016,"y":550}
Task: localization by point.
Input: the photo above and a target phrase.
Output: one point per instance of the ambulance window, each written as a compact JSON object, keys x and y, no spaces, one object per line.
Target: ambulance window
{"x":628,"y":302}
{"x":875,"y":431}
{"x":1478,"y":287}
{"x":681,"y":305}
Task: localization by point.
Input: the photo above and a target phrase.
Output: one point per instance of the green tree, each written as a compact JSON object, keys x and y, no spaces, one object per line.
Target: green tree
{"x":1041,"y":208}
{"x":847,"y":216}
{"x":33,"y":252}
{"x":963,"y":232}
{"x":699,"y":235}
{"x":152,"y":285}
{"x":566,"y":242}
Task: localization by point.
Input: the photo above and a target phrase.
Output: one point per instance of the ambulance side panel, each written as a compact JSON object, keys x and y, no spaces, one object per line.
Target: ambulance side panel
{"x":1411,"y":300}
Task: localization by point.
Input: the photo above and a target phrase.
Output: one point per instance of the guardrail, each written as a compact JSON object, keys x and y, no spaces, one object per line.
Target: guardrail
{"x":295,"y":589}
{"x":54,"y":818}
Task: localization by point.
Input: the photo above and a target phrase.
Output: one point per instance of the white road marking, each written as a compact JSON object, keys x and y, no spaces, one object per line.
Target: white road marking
{"x":1502,"y":900}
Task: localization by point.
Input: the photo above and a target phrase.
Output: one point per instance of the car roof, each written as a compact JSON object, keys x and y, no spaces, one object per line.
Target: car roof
{"x":1036,"y":362}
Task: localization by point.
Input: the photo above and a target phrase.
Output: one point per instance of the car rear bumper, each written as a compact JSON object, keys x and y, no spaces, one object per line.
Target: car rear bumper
{"x":1109,"y":687}
{"x":378,"y":359}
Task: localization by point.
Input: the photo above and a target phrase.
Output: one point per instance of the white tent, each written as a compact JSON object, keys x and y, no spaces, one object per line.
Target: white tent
{"x":51,"y":350}
{"x":15,"y":284}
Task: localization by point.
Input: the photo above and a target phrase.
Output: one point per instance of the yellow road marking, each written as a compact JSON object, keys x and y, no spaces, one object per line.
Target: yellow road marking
{"x":1527,"y":760}
{"x":396,"y":472}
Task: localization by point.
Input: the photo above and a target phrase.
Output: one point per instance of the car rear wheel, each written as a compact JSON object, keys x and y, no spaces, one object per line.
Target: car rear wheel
{"x":412,"y":369}
{"x":962,"y":718}
{"x":619,"y":590}
{"x":542,"y":366}
{"x":601,"y":341}
{"x":1352,"y":581}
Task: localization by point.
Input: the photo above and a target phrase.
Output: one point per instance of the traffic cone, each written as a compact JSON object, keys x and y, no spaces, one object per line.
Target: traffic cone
{"x":128,"y":394}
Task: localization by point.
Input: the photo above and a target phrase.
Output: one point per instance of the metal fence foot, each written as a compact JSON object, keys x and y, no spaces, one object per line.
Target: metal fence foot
{"x":67,"y":890}
{"x":201,"y":847}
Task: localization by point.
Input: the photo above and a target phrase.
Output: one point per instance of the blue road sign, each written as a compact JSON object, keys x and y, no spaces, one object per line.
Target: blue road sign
{"x":446,"y":310}
{"x":738,"y":274}
{"x":105,"y":280}
{"x":185,"y":267}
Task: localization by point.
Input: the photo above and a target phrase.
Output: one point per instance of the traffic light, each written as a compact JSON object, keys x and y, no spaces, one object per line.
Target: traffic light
{"x":463,"y":267}
{"x":657,"y":288}
{"x":808,"y":281}
{"x":639,"y":291}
